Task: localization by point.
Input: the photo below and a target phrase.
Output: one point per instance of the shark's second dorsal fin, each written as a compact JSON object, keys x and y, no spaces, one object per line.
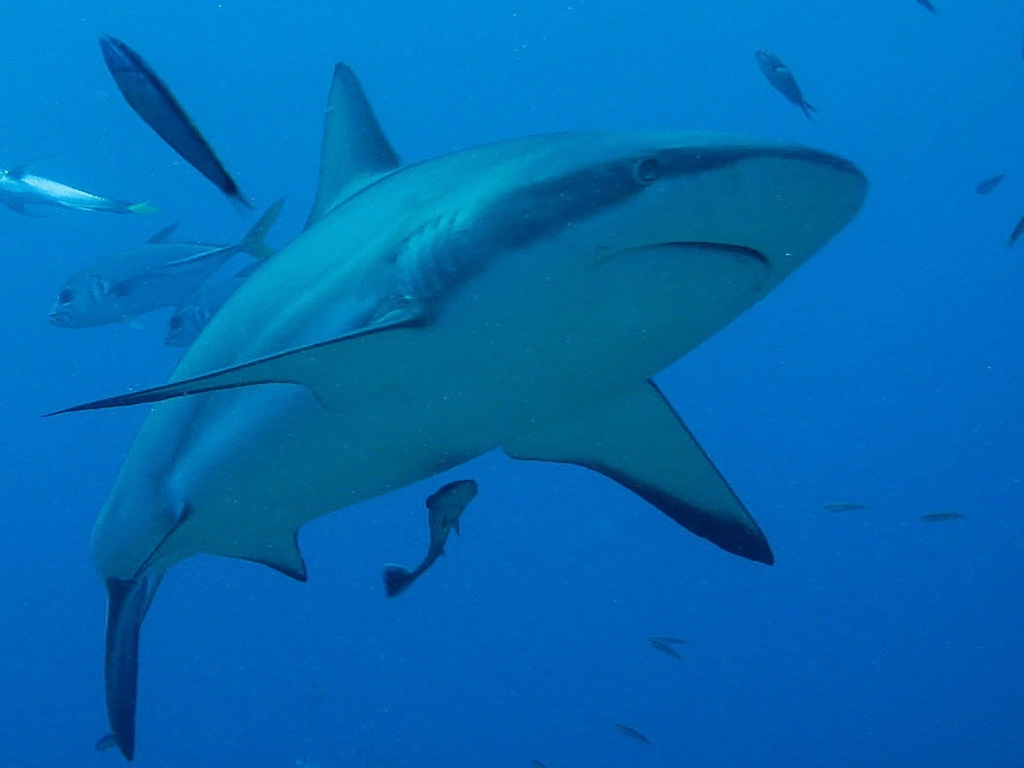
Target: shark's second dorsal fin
{"x":639,"y":441}
{"x":354,"y":151}
{"x":164,"y":235}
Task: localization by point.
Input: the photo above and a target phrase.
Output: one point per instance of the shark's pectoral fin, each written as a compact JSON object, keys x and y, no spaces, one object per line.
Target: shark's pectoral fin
{"x":127,"y":604}
{"x":306,"y":366}
{"x":639,"y":441}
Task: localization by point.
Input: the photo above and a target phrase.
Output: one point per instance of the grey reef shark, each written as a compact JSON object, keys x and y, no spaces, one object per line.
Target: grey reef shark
{"x":516,"y":296}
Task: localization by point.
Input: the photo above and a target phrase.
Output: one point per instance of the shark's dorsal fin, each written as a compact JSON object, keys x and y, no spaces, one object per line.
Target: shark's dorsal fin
{"x":354,"y":151}
{"x":639,"y":441}
{"x":164,"y":235}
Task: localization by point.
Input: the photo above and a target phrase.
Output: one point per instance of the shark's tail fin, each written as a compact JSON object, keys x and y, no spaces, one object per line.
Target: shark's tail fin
{"x":808,"y":109}
{"x":144,"y":207}
{"x":397,"y":579}
{"x":253,"y":243}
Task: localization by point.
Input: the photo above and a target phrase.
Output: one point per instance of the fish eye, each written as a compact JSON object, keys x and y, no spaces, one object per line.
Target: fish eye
{"x":647,"y":170}
{"x":66,"y":296}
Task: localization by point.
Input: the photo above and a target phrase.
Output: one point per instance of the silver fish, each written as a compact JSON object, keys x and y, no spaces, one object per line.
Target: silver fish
{"x":159,"y":273}
{"x":152,"y":100}
{"x":445,"y":509}
{"x":19,"y":189}
{"x":190,"y":317}
{"x":781,"y":78}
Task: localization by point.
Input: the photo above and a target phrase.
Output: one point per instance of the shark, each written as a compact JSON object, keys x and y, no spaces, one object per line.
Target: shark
{"x":519,"y":296}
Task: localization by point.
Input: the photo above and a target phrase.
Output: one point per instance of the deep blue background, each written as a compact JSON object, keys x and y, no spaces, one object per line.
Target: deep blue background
{"x":887,"y":371}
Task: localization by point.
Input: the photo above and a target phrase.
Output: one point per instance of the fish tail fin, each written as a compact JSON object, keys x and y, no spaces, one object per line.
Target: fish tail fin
{"x":397,"y":579}
{"x":240,"y":203}
{"x":809,"y":110}
{"x":253,"y":243}
{"x":145,"y":207}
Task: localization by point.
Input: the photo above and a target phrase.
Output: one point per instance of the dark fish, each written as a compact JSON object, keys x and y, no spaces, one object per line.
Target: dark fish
{"x":1017,"y":232}
{"x":108,"y":741}
{"x":781,"y":78}
{"x":843,"y":506}
{"x":445,"y":508}
{"x":669,"y":640}
{"x":664,"y":647}
{"x":941,"y":517}
{"x":538,"y":764}
{"x":927,"y":4}
{"x":989,"y":184}
{"x":632,"y":733}
{"x":153,"y":101}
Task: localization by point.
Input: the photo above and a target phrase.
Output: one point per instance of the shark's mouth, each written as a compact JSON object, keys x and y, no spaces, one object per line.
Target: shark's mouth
{"x":684,"y":245}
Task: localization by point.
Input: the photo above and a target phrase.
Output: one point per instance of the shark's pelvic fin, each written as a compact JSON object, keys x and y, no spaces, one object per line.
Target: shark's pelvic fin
{"x":282,"y":554}
{"x":354,"y":151}
{"x":639,"y":441}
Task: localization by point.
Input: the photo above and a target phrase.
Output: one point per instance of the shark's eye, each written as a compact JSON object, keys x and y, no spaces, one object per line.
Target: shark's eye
{"x":647,"y":170}
{"x":66,"y":296}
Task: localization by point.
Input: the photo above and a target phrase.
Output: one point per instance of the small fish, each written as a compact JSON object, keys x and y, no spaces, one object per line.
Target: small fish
{"x":632,"y":733}
{"x":843,"y":506}
{"x":927,"y":4}
{"x":668,"y":640}
{"x":445,"y":508}
{"x":19,"y":188}
{"x":105,"y":742}
{"x":989,"y":184}
{"x":159,"y":273}
{"x":781,"y":78}
{"x":537,"y":763}
{"x":190,"y":317}
{"x":941,"y":517}
{"x":1017,"y":232}
{"x":660,"y":645}
{"x":153,"y":101}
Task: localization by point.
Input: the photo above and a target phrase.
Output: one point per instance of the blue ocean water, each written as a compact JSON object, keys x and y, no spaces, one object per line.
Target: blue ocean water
{"x":886,"y":372}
